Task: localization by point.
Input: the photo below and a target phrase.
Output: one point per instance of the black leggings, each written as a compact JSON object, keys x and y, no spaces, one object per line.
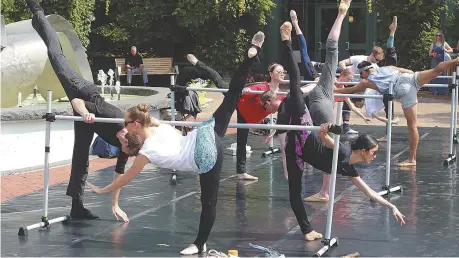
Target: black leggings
{"x":210,"y":181}
{"x":294,"y":172}
{"x":76,"y":86}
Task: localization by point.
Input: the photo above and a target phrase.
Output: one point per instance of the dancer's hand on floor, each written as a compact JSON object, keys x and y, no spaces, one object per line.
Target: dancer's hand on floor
{"x":367,"y":120}
{"x":118,"y":212}
{"x":398,"y":215}
{"x":94,"y":188}
{"x":89,"y":118}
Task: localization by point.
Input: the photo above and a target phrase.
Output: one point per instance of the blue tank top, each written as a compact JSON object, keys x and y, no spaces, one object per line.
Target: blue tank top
{"x":383,"y":77}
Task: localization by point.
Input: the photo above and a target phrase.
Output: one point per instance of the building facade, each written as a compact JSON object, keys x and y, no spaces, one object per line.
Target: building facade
{"x":316,"y":17}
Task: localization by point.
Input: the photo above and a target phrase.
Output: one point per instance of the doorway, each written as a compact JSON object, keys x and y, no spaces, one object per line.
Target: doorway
{"x":358,"y":32}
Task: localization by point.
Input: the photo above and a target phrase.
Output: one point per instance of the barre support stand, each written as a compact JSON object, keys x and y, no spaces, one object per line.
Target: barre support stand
{"x":45,"y":223}
{"x":452,"y":131}
{"x":173,"y":180}
{"x":387,"y":189}
{"x":271,"y":150}
{"x":328,"y":241}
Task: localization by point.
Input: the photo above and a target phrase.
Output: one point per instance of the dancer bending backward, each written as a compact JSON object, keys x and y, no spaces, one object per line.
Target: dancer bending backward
{"x":370,"y":104}
{"x":250,"y":110}
{"x":200,"y":151}
{"x":406,"y":84}
{"x":320,"y":101}
{"x":317,"y":148}
{"x":87,"y":102}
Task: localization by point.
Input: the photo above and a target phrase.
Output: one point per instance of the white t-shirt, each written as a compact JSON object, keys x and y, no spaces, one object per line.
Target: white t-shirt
{"x":356,"y":60}
{"x":373,"y":106}
{"x":166,"y":148}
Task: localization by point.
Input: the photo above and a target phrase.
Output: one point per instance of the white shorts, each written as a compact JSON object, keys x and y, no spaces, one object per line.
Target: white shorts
{"x":406,"y":89}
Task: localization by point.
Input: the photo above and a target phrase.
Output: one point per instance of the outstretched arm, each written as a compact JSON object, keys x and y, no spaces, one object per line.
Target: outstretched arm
{"x":370,"y":193}
{"x":356,"y":110}
{"x":402,"y":70}
{"x":361,"y":87}
{"x":139,"y":163}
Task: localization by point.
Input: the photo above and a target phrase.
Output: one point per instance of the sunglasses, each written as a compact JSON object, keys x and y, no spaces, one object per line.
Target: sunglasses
{"x":128,"y":122}
{"x":438,"y":35}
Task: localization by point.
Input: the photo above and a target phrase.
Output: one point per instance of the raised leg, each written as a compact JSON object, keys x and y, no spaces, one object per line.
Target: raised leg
{"x":426,"y":76}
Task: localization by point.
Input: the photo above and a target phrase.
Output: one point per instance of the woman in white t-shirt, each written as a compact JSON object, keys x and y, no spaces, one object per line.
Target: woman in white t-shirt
{"x":199,"y":151}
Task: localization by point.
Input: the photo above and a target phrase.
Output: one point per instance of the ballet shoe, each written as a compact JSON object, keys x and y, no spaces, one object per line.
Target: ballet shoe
{"x":193,"y":249}
{"x":258,"y":39}
{"x":192,"y":59}
{"x":344,"y":6}
{"x":311,"y":236}
{"x":293,"y":16}
{"x":286,"y":30}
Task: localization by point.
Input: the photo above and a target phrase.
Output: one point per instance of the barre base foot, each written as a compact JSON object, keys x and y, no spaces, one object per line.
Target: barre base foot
{"x":173,"y":180}
{"x":67,"y":221}
{"x":388,"y":190}
{"x":45,"y":224}
{"x":328,"y":244}
{"x":271,"y":151}
{"x":450,"y":160}
{"x":23,"y":231}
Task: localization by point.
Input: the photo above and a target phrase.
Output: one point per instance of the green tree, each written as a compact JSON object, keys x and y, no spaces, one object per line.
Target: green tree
{"x":417,"y":23}
{"x":216,"y":31}
{"x":78,"y":12}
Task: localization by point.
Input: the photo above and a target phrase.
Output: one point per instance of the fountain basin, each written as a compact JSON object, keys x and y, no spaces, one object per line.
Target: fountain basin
{"x":22,"y":138}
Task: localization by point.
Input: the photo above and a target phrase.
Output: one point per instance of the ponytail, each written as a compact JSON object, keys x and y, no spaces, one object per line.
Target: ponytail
{"x":140,"y":113}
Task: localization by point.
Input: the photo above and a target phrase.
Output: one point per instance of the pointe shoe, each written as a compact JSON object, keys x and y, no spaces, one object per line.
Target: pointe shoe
{"x":193,"y":249}
{"x":344,"y":6}
{"x":286,"y":30}
{"x":293,"y":16}
{"x":311,"y":236}
{"x":258,"y":39}
{"x":192,"y":59}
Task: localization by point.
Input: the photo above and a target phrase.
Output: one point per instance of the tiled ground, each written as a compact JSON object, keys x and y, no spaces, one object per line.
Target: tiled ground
{"x":164,"y":218}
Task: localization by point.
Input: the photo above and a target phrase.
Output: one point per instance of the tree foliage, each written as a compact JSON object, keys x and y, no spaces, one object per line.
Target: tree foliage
{"x":80,"y":13}
{"x":418,"y":21}
{"x":216,"y":31}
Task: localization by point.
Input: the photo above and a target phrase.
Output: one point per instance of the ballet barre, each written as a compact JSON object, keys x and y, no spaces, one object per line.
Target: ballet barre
{"x":258,"y":92}
{"x":438,"y":77}
{"x":333,"y":129}
{"x":355,"y":83}
{"x":50,"y":118}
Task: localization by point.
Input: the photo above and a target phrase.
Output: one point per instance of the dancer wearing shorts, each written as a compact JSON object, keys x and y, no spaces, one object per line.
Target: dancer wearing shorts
{"x":317,"y":148}
{"x":199,"y":151}
{"x":406,"y":84}
{"x":87,"y":102}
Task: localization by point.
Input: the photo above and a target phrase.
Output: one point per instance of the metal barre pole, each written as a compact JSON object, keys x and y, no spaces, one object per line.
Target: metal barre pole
{"x":452,"y":132}
{"x":438,"y":77}
{"x":328,"y":241}
{"x":196,"y":124}
{"x":172,"y":98}
{"x":389,"y":136}
{"x":47,"y":152}
{"x":286,"y":92}
{"x":456,"y":100}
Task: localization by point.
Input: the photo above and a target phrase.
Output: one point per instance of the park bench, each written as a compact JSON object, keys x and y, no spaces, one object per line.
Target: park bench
{"x":154,"y":66}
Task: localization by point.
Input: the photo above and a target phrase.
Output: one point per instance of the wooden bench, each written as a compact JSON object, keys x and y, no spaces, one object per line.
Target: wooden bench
{"x":154,"y":66}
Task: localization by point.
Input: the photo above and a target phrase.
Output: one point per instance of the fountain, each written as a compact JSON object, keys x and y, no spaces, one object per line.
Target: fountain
{"x":27,"y":74}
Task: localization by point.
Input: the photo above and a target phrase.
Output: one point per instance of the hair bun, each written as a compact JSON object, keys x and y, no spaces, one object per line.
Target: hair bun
{"x":142,"y":107}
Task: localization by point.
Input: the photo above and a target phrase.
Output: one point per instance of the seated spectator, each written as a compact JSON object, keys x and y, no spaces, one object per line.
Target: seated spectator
{"x":134,"y":64}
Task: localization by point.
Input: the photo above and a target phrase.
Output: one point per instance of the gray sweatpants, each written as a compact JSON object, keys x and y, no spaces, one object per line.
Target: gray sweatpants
{"x":321,"y":97}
